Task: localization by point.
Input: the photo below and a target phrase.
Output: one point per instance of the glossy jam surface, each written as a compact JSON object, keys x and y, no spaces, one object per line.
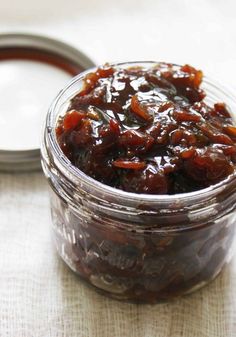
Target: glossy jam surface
{"x":148,"y":130}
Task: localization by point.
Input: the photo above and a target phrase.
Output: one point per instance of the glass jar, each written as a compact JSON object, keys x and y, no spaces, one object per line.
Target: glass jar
{"x":134,"y":246}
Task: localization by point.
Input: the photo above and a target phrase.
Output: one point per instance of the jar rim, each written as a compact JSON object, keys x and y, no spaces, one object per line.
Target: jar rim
{"x":75,"y":174}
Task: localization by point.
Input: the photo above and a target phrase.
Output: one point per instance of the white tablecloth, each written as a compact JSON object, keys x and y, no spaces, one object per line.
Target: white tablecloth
{"x":39,"y":296}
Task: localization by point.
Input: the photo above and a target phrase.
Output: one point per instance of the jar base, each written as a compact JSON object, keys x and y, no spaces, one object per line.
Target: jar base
{"x":124,"y":297}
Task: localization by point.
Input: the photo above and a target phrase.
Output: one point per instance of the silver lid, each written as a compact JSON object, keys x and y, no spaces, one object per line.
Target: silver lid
{"x":34,"y":49}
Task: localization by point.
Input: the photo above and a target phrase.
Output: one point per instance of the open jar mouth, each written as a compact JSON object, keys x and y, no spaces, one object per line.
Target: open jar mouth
{"x":215,"y":92}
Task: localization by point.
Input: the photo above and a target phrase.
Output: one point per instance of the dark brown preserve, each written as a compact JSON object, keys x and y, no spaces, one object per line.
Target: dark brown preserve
{"x":148,"y":130}
{"x":143,"y":129}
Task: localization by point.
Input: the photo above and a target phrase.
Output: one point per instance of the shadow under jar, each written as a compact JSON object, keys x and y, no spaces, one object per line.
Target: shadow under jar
{"x":137,"y":247}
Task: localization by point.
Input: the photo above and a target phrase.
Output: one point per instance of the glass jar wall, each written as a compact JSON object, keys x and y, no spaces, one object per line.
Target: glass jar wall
{"x":135,"y":246}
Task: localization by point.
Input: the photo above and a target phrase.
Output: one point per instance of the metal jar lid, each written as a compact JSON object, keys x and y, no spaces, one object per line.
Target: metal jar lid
{"x":24,"y":60}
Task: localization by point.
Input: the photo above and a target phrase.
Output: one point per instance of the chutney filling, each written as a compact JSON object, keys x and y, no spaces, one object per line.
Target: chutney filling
{"x":148,"y":130}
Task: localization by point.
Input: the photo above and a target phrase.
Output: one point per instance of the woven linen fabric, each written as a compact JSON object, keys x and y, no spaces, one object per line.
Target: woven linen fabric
{"x":41,"y":297}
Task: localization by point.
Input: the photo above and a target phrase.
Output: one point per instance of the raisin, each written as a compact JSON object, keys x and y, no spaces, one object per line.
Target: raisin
{"x":150,"y":180}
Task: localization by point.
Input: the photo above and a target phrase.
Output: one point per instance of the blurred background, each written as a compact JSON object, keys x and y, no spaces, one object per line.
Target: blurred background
{"x":202,"y":33}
